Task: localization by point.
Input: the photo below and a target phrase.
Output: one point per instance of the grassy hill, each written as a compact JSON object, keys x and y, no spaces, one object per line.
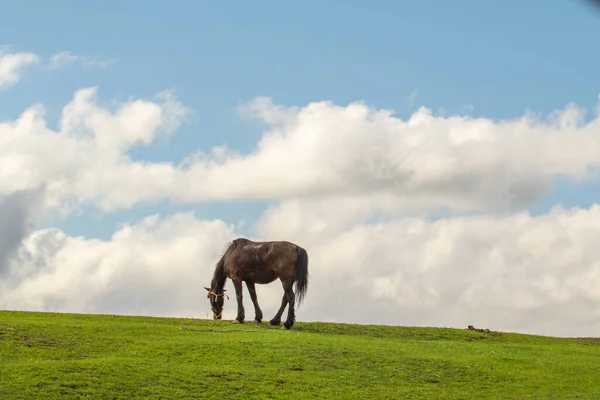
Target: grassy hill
{"x":54,"y":356}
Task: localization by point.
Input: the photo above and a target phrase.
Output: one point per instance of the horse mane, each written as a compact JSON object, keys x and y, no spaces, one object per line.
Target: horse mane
{"x":219,"y":277}
{"x":225,"y":248}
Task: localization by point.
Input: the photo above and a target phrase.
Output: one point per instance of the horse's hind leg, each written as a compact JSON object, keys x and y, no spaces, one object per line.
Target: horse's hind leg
{"x":258,"y":315}
{"x":277,"y":318}
{"x":291,"y":299}
{"x":237,"y":284}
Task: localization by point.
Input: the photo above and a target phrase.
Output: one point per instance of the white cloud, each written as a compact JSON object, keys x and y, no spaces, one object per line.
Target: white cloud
{"x":17,"y":213}
{"x":64,"y":58}
{"x":89,"y":152}
{"x":514,"y":273}
{"x":455,"y":162}
{"x":425,"y":164}
{"x":153,"y":267}
{"x":12,"y":65}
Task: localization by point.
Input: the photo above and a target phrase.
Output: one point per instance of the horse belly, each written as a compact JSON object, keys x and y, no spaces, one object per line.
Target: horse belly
{"x":261,"y":279}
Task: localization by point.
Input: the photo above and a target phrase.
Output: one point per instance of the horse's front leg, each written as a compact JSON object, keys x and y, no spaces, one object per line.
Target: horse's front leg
{"x":258,"y":315}
{"x":237,"y":284}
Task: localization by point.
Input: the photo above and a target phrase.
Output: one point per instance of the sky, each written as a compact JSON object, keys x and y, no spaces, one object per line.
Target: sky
{"x":438,"y":161}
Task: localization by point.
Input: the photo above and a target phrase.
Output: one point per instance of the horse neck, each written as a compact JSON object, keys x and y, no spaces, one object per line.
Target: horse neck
{"x":219,"y":277}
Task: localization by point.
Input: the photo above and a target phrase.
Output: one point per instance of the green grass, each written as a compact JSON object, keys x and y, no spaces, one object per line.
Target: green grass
{"x":55,"y":356}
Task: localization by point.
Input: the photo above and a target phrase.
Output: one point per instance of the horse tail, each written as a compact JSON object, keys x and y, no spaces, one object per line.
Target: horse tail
{"x":301,"y":277}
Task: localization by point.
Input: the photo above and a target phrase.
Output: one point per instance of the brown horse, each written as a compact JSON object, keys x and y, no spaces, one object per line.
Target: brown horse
{"x":262,"y":263}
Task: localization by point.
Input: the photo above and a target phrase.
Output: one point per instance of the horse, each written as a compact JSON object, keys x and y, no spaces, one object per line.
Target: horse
{"x":260,"y":262}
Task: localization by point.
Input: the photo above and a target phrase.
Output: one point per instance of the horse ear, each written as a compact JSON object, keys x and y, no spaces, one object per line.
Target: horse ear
{"x":224,"y":290}
{"x":206,"y":288}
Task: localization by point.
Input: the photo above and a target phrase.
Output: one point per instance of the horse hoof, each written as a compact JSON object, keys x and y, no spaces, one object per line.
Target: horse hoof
{"x":258,"y":321}
{"x":275,"y":323}
{"x":287,"y":326}
{"x":235,"y":321}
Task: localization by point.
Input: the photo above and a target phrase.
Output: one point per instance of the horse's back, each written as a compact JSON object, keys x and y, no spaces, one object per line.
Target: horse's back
{"x":275,"y":254}
{"x":241,"y":242}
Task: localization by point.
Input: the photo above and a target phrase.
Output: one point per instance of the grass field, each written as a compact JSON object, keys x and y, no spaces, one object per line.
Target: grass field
{"x":55,"y":356}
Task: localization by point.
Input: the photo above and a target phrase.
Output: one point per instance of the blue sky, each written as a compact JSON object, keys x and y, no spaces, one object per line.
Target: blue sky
{"x":499,"y":57}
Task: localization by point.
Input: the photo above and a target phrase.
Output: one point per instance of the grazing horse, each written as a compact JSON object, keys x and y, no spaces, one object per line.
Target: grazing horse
{"x":262,"y":263}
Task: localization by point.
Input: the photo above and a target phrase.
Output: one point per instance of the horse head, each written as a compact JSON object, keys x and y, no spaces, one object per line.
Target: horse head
{"x":216,"y":302}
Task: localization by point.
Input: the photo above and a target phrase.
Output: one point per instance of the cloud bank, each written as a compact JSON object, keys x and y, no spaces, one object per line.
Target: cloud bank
{"x":413,"y":222}
{"x":424,"y":164}
{"x":516,"y":273}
